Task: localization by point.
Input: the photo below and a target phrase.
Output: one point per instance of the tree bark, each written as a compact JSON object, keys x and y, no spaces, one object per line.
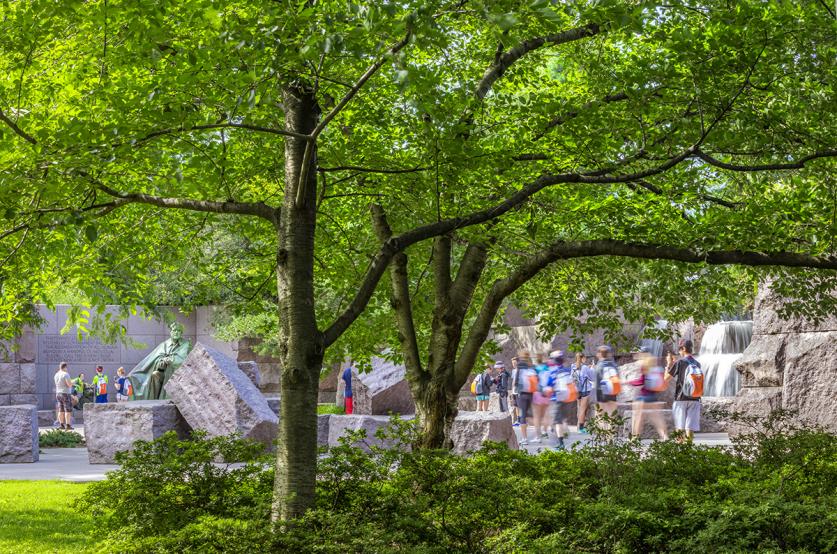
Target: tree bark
{"x":436,"y":408}
{"x":301,"y":344}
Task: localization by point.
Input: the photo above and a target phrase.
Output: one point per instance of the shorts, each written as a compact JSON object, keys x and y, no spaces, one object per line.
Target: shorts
{"x":649,"y":397}
{"x":540,"y":399}
{"x":483,"y":397}
{"x":584,"y":394}
{"x":686,"y":415}
{"x":563,"y":411}
{"x":524,"y":400}
{"x":65,"y":403}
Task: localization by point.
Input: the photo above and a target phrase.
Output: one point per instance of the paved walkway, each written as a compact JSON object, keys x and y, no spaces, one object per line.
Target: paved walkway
{"x":70,"y":464}
{"x":62,"y":464}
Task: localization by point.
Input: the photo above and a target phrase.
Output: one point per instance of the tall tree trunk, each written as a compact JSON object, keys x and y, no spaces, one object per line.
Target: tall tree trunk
{"x":436,"y":408}
{"x":300,"y":342}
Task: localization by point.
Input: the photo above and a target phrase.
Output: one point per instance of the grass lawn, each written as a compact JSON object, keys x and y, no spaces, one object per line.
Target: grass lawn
{"x":37,"y":516}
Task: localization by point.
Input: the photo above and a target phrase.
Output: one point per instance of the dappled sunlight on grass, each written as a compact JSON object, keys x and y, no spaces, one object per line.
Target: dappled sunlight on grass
{"x":38,"y":516}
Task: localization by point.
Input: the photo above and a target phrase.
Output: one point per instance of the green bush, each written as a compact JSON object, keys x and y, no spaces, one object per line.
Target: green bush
{"x":59,"y":438}
{"x":330,"y":409}
{"x":774,"y":490}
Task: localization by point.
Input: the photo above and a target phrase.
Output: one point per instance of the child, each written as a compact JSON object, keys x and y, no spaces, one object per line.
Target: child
{"x":123,"y":386}
{"x":100,"y":385}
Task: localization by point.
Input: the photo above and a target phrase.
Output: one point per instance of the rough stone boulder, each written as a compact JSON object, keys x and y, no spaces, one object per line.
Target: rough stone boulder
{"x":468,"y":403}
{"x":322,"y":429}
{"x":215,"y":396}
{"x":382,"y":390}
{"x":471,"y":429}
{"x":116,"y":426}
{"x":275,"y":403}
{"x":339,"y":425}
{"x":251,"y":370}
{"x":18,"y":434}
{"x":789,"y":364}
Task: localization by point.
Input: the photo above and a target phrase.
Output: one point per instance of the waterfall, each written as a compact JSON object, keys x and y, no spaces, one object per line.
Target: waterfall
{"x":721,"y":346}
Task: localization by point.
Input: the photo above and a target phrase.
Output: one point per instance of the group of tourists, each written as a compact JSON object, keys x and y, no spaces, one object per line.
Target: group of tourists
{"x":72,"y":393}
{"x":553,"y":391}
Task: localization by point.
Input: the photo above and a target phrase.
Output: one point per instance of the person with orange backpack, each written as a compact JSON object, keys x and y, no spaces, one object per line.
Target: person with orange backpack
{"x":688,"y":376}
{"x":564,"y":395}
{"x":100,"y":385}
{"x":608,"y":382}
{"x":651,"y":381}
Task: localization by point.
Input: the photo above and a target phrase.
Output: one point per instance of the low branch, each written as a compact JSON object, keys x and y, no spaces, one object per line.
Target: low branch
{"x":372,"y":169}
{"x":799,"y":164}
{"x":562,"y":250}
{"x":400,"y":242}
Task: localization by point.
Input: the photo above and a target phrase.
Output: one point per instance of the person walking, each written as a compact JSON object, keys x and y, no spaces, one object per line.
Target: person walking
{"x":564,"y":395}
{"x":63,"y":398}
{"x":688,"y":376}
{"x":527,"y":385}
{"x":584,"y":377}
{"x":124,"y":388}
{"x":501,"y":385}
{"x":651,"y":382}
{"x":541,"y":400}
{"x":347,"y":392}
{"x":100,"y":385}
{"x":608,"y":382}
{"x":514,"y":391}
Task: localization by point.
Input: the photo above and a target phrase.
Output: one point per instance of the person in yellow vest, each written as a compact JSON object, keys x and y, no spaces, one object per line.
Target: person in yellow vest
{"x":100,"y":385}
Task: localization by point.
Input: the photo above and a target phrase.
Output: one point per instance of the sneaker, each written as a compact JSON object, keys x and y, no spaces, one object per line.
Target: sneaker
{"x":583,"y":431}
{"x":536,"y":439}
{"x":69,"y":427}
{"x":544,"y":435}
{"x":515,"y":424}
{"x":524,"y":442}
{"x":560,"y":445}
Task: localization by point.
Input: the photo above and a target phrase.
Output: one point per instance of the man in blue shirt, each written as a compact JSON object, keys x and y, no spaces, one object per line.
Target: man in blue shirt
{"x":347,"y":378}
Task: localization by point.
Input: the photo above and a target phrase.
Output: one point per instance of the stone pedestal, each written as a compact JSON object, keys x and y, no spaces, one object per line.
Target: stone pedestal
{"x":114,"y":427}
{"x":215,"y":396}
{"x":18,"y":434}
{"x":338,"y":425}
{"x":381,"y":391}
{"x":471,"y":429}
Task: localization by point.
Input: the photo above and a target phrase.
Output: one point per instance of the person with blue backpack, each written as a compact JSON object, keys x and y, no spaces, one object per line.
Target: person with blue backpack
{"x":688,"y":376}
{"x":526,"y":384}
{"x":564,"y":395}
{"x":608,"y":382}
{"x":584,"y":376}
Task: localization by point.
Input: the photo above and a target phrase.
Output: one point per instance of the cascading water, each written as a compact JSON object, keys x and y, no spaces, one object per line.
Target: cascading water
{"x":722,"y":344}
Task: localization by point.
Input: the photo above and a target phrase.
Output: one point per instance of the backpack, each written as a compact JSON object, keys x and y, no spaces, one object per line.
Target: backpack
{"x":566,"y":390}
{"x":582,"y":382}
{"x":487,"y":381}
{"x":528,"y":379}
{"x":655,"y":380}
{"x":128,"y":388}
{"x":611,"y":385}
{"x":692,"y":379}
{"x":474,"y":386}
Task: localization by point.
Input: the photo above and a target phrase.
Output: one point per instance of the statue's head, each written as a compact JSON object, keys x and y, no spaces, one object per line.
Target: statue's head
{"x":176,"y":331}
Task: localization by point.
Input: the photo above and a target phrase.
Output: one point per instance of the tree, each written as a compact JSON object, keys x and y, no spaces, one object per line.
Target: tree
{"x":126,"y":124}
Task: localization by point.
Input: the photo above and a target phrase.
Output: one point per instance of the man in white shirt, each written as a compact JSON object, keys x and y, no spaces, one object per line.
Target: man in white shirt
{"x":63,"y":396}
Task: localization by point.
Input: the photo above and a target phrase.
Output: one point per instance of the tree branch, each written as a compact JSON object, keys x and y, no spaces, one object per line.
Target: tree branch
{"x":562,"y":250}
{"x":799,"y":164}
{"x":561,"y":119}
{"x":258,"y":209}
{"x":372,"y":169}
{"x":400,"y":300}
{"x":17,"y":130}
{"x":257,"y":128}
{"x":503,"y":62}
{"x":400,"y":242}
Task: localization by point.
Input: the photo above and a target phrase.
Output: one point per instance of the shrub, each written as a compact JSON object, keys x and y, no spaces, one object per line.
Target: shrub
{"x":773,"y":490}
{"x":330,"y":409}
{"x":59,"y":438}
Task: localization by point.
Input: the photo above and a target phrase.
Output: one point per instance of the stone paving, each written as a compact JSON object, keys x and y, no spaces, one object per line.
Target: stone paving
{"x":71,"y":464}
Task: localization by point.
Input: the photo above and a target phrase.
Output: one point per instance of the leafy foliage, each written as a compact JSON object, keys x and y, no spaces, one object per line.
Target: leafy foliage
{"x":59,"y":438}
{"x":772,"y":491}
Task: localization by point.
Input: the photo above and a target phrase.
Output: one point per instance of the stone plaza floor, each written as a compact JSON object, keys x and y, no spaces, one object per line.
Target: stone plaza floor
{"x":71,"y":464}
